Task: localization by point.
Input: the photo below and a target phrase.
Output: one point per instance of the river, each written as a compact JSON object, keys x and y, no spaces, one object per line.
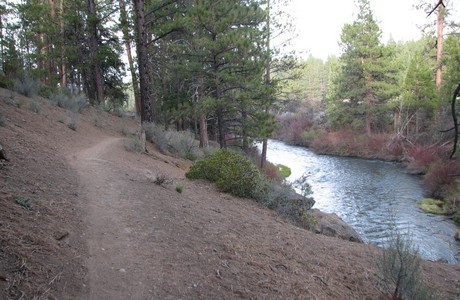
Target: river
{"x":365,"y":193}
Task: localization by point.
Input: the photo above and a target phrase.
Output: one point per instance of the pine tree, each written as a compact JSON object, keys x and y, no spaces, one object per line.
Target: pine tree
{"x":365,"y":81}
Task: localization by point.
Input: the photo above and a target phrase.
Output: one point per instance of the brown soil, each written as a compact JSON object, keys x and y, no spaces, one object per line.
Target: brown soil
{"x":81,"y":218}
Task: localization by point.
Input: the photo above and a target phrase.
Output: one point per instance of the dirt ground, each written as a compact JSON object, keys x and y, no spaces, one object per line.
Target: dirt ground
{"x":81,"y":218}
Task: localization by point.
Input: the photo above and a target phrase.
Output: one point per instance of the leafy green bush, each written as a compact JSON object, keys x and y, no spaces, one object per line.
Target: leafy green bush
{"x":5,"y":82}
{"x":230,"y":171}
{"x":457,"y":217}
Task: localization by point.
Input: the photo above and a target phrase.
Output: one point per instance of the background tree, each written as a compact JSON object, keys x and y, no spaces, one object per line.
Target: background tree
{"x":365,"y":81}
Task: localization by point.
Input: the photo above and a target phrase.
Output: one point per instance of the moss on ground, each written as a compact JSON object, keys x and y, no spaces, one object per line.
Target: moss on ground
{"x":432,"y":206}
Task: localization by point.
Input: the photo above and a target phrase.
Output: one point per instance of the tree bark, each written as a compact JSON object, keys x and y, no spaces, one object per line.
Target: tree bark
{"x":143,"y":61}
{"x":203,"y":122}
{"x":263,"y":156}
{"x":127,"y":41}
{"x":440,"y":30}
{"x":96,"y":75}
{"x":62,"y":66}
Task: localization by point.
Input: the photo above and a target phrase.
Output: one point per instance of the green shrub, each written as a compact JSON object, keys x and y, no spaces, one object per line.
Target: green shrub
{"x":230,"y":171}
{"x":5,"y":82}
{"x":457,"y":217}
{"x":23,"y":202}
{"x":179,"y":188}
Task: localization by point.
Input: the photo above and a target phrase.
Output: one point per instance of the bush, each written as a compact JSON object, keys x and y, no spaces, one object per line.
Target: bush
{"x":5,"y":82}
{"x":179,"y":143}
{"x":457,"y":217}
{"x":27,"y":86}
{"x":421,"y":158}
{"x":74,"y":103}
{"x":441,"y":179}
{"x":157,"y":135}
{"x":399,"y":269}
{"x":72,"y":124}
{"x":182,"y":144}
{"x":230,"y":171}
{"x":134,"y":144}
{"x":179,"y":188}
{"x":34,"y":106}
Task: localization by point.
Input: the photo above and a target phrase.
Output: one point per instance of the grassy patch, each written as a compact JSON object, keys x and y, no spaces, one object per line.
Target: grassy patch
{"x":179,"y":188}
{"x":284,"y":171}
{"x":432,"y":206}
{"x":23,"y":202}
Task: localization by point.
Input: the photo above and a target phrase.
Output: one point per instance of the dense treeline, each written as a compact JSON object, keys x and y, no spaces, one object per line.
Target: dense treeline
{"x":381,"y":88}
{"x":194,"y":64}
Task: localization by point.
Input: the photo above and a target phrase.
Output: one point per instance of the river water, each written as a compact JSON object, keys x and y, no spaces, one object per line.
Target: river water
{"x":364,"y":193}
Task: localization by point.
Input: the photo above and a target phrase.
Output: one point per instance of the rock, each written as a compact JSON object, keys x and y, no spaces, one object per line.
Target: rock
{"x":3,"y":153}
{"x":330,"y":224}
{"x":457,"y":235}
{"x":289,"y":195}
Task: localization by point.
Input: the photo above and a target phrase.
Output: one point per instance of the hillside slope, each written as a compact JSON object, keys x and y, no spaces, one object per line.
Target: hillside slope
{"x":81,"y":218}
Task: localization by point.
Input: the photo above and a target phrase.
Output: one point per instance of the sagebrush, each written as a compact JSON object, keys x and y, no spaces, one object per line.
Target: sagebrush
{"x":399,"y":269}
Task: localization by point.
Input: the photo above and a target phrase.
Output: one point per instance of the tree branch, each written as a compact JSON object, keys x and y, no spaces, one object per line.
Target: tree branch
{"x":454,"y":117}
{"x":437,"y":5}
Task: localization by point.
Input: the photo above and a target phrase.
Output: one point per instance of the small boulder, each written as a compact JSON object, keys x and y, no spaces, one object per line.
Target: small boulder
{"x":330,"y":224}
{"x":3,"y":153}
{"x":457,"y":235}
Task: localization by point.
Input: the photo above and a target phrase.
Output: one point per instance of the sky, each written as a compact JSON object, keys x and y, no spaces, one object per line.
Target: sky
{"x":319,"y":23}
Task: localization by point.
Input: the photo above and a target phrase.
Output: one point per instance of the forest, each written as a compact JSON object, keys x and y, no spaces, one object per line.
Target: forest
{"x":213,"y":68}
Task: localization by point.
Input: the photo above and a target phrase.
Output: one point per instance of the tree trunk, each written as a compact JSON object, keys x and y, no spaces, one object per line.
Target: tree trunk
{"x":62,"y":67}
{"x":203,"y":124}
{"x":143,"y":61}
{"x":263,"y":157}
{"x":440,"y":29}
{"x":368,"y":115}
{"x":97,"y":84}
{"x":127,"y":41}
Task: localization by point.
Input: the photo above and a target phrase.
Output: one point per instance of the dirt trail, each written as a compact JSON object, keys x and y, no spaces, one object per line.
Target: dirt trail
{"x":117,"y":265}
